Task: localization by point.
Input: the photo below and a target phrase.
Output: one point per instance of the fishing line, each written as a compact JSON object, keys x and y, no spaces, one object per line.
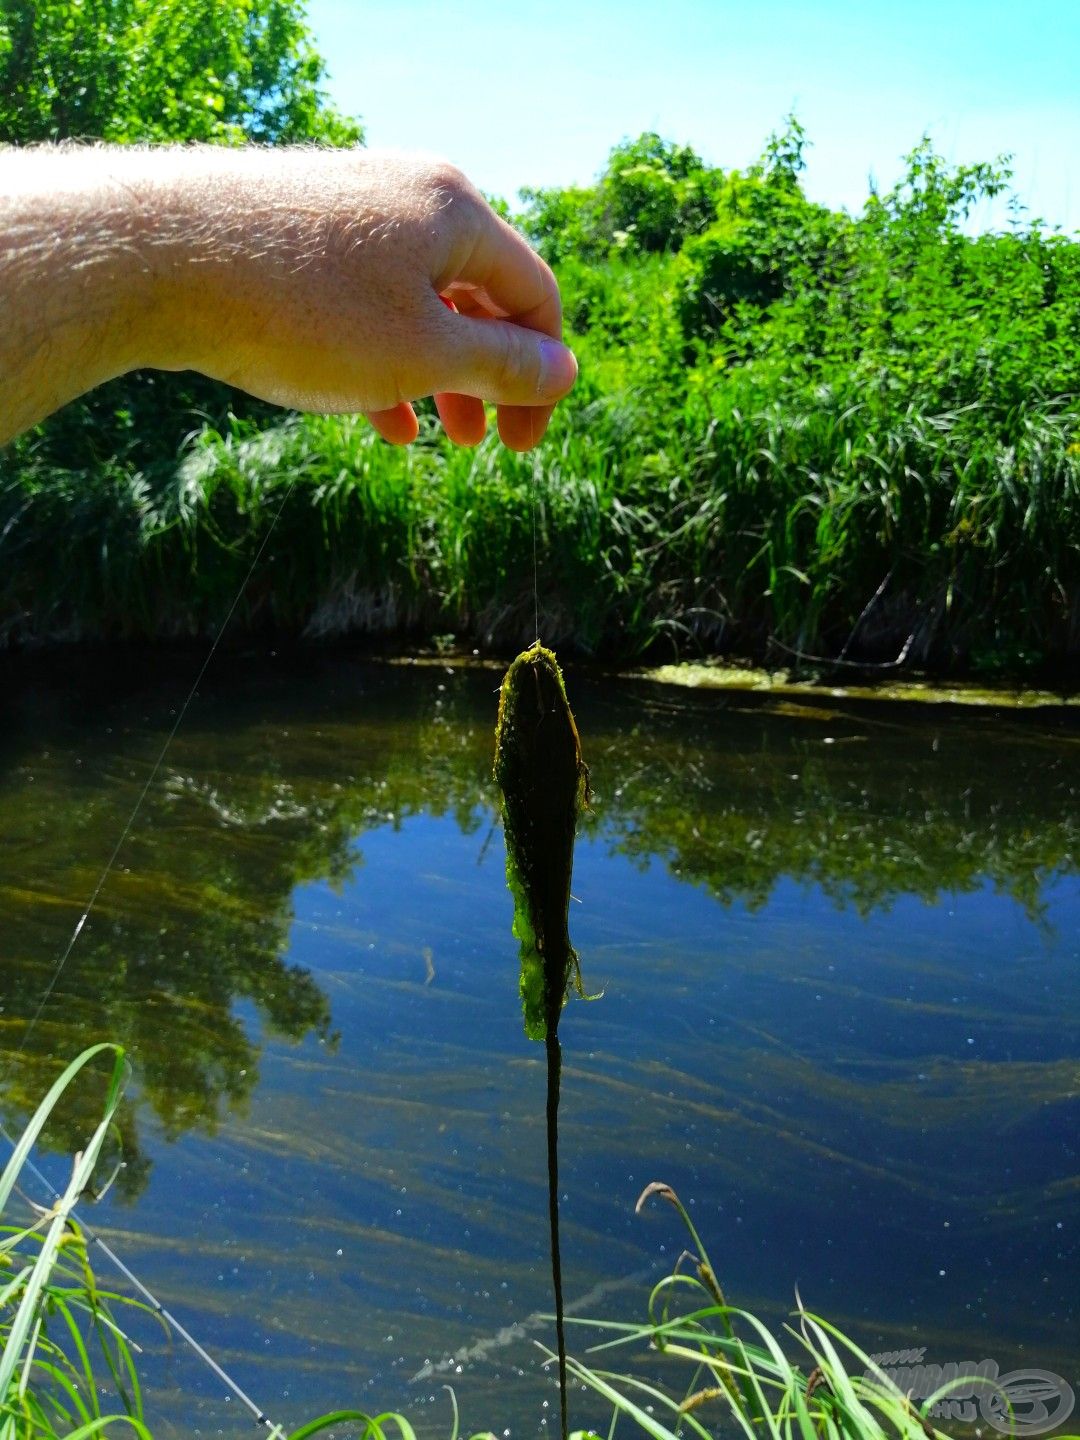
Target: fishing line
{"x":107,"y":1250}
{"x":110,"y":863}
{"x":536,"y":586}
{"x":554,"y":1075}
{"x":151,"y":1299}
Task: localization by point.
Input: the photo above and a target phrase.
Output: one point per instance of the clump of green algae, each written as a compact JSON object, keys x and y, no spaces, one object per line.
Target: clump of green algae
{"x":720,"y":675}
{"x":544,"y":784}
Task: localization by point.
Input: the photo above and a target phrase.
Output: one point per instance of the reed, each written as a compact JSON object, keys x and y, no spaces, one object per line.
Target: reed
{"x":65,"y":1353}
{"x":58,"y":1327}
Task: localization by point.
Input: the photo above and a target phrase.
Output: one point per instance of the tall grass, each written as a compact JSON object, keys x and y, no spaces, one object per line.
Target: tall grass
{"x":831,"y":531}
{"x":57,"y":1324}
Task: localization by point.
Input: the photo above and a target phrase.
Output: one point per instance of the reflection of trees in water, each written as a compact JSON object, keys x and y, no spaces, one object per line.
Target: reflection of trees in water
{"x":191,"y":931}
{"x":196,"y":921}
{"x":271,"y":781}
{"x":867,"y":810}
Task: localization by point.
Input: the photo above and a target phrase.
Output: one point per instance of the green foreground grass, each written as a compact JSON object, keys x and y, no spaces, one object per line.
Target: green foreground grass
{"x":69,"y":1369}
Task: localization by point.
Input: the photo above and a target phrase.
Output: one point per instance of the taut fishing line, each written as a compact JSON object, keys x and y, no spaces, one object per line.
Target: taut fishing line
{"x":536,"y":585}
{"x":553,"y":1057}
{"x":544,"y":784}
{"x":152,"y":1301}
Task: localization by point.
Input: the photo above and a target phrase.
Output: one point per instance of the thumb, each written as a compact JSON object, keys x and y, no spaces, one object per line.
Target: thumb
{"x":504,"y":363}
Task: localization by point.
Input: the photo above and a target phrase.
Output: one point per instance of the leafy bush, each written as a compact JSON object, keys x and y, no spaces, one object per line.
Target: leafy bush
{"x":651,"y":196}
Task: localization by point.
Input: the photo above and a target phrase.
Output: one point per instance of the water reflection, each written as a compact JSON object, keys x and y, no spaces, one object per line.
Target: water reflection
{"x":839,"y":951}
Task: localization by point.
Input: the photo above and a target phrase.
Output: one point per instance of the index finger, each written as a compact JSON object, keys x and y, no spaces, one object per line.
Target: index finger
{"x":516,"y":279}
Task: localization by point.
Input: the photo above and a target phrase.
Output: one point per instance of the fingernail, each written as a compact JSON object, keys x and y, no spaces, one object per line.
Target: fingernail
{"x":558,"y":370}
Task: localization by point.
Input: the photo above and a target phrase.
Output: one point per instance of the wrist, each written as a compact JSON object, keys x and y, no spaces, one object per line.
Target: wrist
{"x":79,"y":297}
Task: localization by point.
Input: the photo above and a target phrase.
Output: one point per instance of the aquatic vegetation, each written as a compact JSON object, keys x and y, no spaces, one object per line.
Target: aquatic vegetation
{"x":66,"y":1359}
{"x":804,"y":694}
{"x":257,"y":776}
{"x":294,"y":778}
{"x":63,"y":1350}
{"x":544,"y":783}
{"x":60,"y":1337}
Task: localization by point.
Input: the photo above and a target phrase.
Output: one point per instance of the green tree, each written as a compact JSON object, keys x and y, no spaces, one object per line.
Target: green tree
{"x":651,"y":197}
{"x":221,"y":71}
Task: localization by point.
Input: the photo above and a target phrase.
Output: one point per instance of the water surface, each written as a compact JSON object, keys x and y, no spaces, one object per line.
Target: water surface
{"x":842,"y":1004}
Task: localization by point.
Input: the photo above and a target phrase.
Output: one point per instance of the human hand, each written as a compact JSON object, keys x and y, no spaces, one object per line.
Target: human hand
{"x":313,"y":278}
{"x":359,"y":281}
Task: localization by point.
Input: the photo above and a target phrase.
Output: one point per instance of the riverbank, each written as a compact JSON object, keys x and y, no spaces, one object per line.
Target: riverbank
{"x":657,"y":557}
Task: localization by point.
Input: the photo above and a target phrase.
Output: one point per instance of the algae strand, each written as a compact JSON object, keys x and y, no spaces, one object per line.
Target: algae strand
{"x":544,"y":783}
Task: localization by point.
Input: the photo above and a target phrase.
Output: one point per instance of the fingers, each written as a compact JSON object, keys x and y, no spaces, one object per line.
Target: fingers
{"x":518,"y":283}
{"x":462,"y":416}
{"x":523,"y":426}
{"x":465,"y":422}
{"x":523,"y":375}
{"x":502,"y":361}
{"x":399,"y":425}
{"x":521,"y":371}
{"x":495,"y":337}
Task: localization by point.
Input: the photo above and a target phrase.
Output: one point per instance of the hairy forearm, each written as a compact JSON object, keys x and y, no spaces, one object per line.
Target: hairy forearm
{"x":114,"y":258}
{"x":309,"y":277}
{"x":76,"y":290}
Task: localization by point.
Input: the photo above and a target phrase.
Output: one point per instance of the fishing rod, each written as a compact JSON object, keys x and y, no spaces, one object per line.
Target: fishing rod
{"x":259,"y":1414}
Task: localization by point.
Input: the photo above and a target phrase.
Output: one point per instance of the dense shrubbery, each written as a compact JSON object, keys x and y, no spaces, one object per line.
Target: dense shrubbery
{"x":851,"y":437}
{"x":870,"y":424}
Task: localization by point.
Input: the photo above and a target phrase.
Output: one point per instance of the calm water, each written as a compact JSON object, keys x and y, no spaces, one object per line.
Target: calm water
{"x":839,"y":950}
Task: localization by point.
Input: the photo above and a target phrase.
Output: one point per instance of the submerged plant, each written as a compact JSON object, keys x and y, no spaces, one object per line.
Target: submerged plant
{"x":59,"y":1336}
{"x":544,"y":783}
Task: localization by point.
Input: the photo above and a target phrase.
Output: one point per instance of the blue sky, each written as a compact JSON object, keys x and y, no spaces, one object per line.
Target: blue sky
{"x":538,"y":93}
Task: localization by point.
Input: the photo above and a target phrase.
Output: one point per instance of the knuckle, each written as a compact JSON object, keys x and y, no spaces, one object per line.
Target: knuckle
{"x":444,"y":181}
